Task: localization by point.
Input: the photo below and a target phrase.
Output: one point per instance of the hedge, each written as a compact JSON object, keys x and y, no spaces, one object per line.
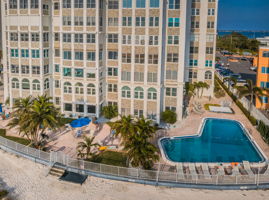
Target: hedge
{"x":252,"y":120}
{"x":264,"y":131}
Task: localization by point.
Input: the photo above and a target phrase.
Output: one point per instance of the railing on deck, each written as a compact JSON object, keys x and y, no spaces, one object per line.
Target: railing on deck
{"x":84,"y":167}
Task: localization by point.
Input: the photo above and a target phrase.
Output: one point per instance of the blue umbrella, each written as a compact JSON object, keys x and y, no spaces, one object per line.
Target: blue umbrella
{"x":1,"y":109}
{"x":80,"y":122}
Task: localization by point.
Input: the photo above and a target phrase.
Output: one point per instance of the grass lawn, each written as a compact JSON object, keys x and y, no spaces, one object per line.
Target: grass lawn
{"x":111,"y":158}
{"x":15,"y":139}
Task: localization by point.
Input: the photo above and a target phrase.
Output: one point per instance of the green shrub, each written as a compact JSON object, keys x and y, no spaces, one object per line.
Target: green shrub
{"x":110,"y":111}
{"x":169,"y":117}
{"x":3,"y":193}
{"x":111,"y":158}
{"x":264,"y":131}
{"x":252,"y":120}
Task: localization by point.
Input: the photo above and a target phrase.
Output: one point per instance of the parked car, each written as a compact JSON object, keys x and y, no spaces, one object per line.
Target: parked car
{"x":237,"y":76}
{"x":253,"y":68}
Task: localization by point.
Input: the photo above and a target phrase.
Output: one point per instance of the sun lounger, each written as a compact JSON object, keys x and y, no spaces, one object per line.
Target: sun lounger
{"x":205,"y":170}
{"x":235,"y":171}
{"x":180,"y":172}
{"x":192,"y":169}
{"x":221,"y":171}
{"x":247,"y":168}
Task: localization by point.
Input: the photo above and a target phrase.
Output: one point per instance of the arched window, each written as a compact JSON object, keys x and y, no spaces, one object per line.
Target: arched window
{"x":208,"y":75}
{"x":15,"y":83}
{"x":25,"y":84}
{"x":79,"y":88}
{"x":91,"y":89}
{"x":139,"y":93}
{"x":152,"y":93}
{"x":46,"y":84}
{"x":36,"y":85}
{"x":125,"y":92}
{"x":67,"y":88}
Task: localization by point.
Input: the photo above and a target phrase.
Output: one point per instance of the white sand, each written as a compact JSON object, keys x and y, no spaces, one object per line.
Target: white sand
{"x":26,"y":181}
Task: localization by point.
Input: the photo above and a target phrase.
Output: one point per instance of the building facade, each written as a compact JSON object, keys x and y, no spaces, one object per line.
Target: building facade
{"x":263,"y":75}
{"x":136,"y":54}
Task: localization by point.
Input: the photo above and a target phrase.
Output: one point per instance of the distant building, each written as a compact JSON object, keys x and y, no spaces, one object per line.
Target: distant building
{"x":136,"y":54}
{"x":264,"y":41}
{"x":263,"y":75}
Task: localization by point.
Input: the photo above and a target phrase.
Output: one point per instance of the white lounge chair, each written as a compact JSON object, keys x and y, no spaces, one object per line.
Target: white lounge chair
{"x":193,"y":173}
{"x":247,"y":168}
{"x":205,"y":170}
{"x":221,"y":171}
{"x":235,"y":171}
{"x":180,"y":171}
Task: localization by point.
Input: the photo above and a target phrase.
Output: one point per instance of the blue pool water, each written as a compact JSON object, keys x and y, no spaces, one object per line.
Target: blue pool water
{"x":221,"y":140}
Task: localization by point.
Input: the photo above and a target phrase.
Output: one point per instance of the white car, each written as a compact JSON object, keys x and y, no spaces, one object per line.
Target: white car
{"x":253,"y":68}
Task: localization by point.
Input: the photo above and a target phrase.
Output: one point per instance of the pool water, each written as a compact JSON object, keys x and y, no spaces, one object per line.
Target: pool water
{"x":221,"y":140}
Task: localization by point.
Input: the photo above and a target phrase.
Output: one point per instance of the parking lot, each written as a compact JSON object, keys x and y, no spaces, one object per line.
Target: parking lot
{"x":241,"y":67}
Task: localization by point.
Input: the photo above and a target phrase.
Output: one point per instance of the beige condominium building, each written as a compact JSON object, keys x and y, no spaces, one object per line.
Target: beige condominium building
{"x":136,"y":54}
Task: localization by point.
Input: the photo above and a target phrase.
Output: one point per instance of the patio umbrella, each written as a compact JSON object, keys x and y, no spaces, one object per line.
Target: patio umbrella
{"x":80,"y":122}
{"x":1,"y":109}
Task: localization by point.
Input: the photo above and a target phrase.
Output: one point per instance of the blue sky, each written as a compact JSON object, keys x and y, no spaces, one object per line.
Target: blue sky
{"x":243,"y":15}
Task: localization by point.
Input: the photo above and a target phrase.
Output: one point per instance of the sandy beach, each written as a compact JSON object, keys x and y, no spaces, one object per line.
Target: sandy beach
{"x":26,"y":180}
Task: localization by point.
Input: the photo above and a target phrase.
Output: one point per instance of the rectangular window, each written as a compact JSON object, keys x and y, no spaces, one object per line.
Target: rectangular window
{"x":210,"y":38}
{"x":57,"y":68}
{"x":154,"y":21}
{"x":153,"y":59}
{"x":90,"y":75}
{"x":126,"y":21}
{"x":194,"y":50}
{"x":91,"y":21}
{"x":153,"y":40}
{"x":192,"y":74}
{"x":67,"y":37}
{"x":113,"y":21}
{"x":13,"y":4}
{"x":265,"y":54}
{"x":35,"y":69}
{"x":24,"y":37}
{"x":140,"y":3}
{"x":264,"y":99}
{"x":173,"y":22}
{"x":195,"y":37}
{"x":79,"y":73}
{"x":126,"y":39}
{"x":195,"y":11}
{"x":78,"y":21}
{"x":171,"y":75}
{"x":209,"y":50}
{"x":91,"y":38}
{"x":45,"y":37}
{"x":91,"y":4}
{"x":172,"y":57}
{"x":154,"y":3}
{"x":23,"y":4}
{"x":46,"y":53}
{"x":113,"y":4}
{"x":171,"y":92}
{"x":140,"y":21}
{"x":112,"y":88}
{"x":174,"y":4}
{"x":139,"y":76}
{"x":35,"y":53}
{"x":35,"y":37}
{"x":112,"y":55}
{"x":91,"y":109}
{"x":112,"y":38}
{"x":193,"y":63}
{"x":140,"y":39}
{"x":67,"y":55}
{"x":15,"y":69}
{"x":208,"y":63}
{"x":66,"y":3}
{"x":57,"y":83}
{"x":14,"y":53}
{"x":125,"y":76}
{"x":67,"y":71}
{"x":46,"y":69}
{"x":152,"y":77}
{"x":211,"y":11}
{"x":127,"y":3}
{"x":68,"y":107}
{"x":78,"y":3}
{"x":24,"y":53}
{"x":173,"y":39}
{"x":195,"y":24}
{"x":79,"y":38}
{"x":91,"y":56}
{"x":140,"y":58}
{"x":13,"y":36}
{"x":79,"y":55}
{"x":66,"y":20}
{"x":112,"y":71}
{"x":126,"y":57}
{"x":210,"y":24}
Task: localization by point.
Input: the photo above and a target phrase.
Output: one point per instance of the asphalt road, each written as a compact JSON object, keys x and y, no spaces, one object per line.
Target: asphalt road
{"x":241,"y":67}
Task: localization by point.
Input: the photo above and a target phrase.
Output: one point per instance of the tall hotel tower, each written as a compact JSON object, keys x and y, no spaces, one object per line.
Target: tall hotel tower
{"x":136,"y":54}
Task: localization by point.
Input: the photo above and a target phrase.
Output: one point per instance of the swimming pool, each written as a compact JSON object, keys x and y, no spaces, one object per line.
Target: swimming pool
{"x":220,"y":140}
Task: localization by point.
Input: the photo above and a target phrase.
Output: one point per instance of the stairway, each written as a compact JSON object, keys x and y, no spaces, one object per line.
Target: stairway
{"x":56,"y":171}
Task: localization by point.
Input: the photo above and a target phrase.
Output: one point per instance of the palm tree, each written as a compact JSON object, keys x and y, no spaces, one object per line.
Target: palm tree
{"x":124,"y":127}
{"x":145,"y":127}
{"x":197,"y":87}
{"x":140,"y":151}
{"x":110,"y":111}
{"x":203,"y":85}
{"x":34,"y":116}
{"x":86,"y":147}
{"x":249,"y":90}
